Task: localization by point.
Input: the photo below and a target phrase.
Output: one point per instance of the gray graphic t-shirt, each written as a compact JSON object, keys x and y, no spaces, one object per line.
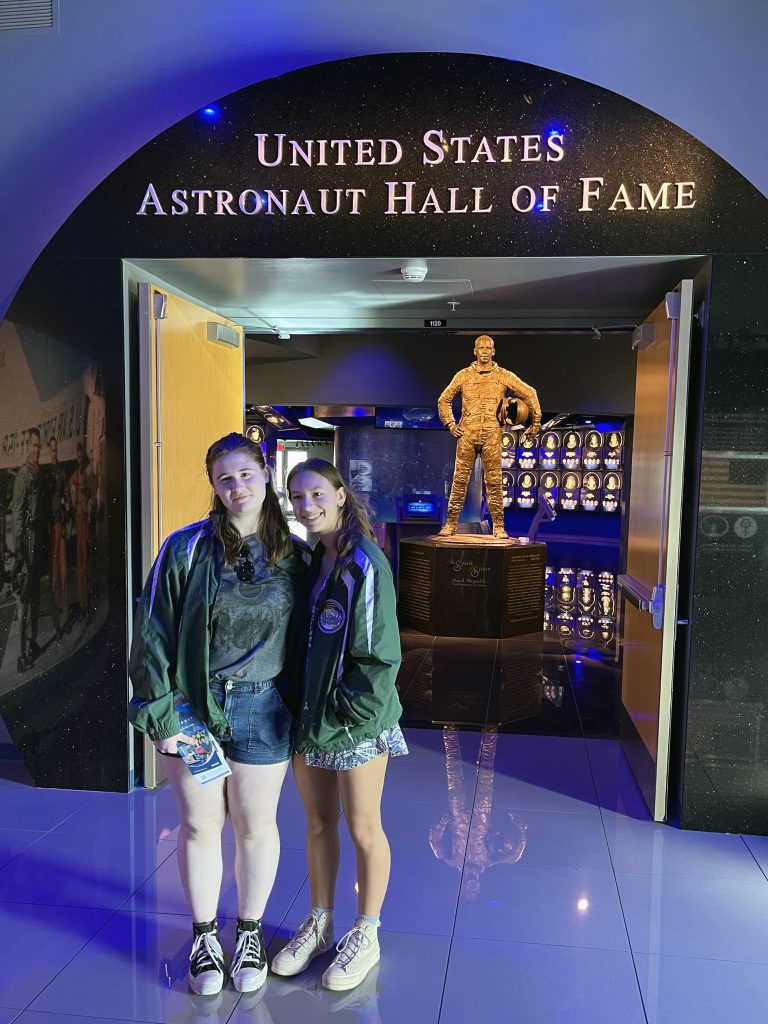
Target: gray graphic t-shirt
{"x":250,"y":620}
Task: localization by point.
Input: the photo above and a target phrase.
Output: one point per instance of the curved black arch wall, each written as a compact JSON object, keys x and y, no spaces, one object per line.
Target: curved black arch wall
{"x":523,"y":128}
{"x":530,"y":163}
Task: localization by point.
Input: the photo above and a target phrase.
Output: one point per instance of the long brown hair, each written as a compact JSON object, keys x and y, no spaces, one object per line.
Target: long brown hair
{"x":273,"y":529}
{"x":353,"y":519}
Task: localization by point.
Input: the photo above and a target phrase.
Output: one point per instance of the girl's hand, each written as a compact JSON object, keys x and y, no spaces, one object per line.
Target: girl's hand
{"x":169,"y":744}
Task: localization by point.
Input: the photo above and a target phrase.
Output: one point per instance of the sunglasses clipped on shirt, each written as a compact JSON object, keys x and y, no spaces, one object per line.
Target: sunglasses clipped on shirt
{"x":245,"y":570}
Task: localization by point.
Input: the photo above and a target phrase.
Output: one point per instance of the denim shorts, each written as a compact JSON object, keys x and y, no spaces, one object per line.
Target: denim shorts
{"x":260,"y":725}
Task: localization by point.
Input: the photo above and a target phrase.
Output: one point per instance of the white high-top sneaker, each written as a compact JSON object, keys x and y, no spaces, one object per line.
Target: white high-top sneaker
{"x":356,"y":954}
{"x":313,"y":936}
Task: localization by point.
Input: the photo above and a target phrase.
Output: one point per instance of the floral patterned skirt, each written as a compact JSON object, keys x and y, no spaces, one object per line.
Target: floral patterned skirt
{"x":391,"y":742}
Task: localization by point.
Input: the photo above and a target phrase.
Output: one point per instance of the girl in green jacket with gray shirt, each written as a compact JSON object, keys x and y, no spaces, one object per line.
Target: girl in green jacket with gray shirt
{"x":213,"y":623}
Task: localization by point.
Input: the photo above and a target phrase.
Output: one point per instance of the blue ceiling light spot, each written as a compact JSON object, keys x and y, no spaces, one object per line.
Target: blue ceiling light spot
{"x":211,"y":113}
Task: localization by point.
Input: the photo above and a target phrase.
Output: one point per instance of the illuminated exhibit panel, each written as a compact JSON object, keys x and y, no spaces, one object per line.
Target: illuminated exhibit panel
{"x":578,"y":468}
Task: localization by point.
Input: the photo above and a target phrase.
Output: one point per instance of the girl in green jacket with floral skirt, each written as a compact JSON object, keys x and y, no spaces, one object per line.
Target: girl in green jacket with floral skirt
{"x":348,"y":720}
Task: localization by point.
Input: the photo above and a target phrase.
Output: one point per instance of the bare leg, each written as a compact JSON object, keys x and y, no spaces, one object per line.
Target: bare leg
{"x":252,"y":795}
{"x":202,"y":810}
{"x":319,"y":791}
{"x":361,"y":790}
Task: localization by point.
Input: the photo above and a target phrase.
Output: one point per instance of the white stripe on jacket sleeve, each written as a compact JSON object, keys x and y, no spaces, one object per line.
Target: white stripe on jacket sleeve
{"x":369,"y":593}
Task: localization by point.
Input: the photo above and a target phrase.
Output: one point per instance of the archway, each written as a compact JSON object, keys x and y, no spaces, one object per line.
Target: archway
{"x":406,"y":154}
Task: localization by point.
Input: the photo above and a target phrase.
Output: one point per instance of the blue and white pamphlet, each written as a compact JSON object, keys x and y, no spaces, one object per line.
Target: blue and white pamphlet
{"x":204,"y":757}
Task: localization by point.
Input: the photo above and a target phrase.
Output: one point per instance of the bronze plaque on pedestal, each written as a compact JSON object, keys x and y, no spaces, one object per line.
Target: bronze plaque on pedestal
{"x":492,"y":590}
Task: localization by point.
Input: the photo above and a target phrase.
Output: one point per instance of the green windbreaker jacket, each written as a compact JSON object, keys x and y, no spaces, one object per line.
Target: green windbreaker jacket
{"x":353,"y":656}
{"x":172,"y":632}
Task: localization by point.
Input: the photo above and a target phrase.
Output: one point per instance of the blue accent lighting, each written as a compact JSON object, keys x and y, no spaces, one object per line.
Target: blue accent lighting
{"x":359,"y":411}
{"x":609,"y":425}
{"x":211,"y":113}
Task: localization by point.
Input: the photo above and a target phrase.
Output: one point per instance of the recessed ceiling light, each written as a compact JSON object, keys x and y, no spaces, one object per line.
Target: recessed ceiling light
{"x":315,"y":424}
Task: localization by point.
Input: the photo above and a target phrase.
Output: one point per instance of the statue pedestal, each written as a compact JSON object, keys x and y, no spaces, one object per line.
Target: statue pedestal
{"x":471,"y":586}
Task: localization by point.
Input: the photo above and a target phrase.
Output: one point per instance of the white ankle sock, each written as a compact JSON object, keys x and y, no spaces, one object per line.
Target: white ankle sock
{"x":373,"y":922}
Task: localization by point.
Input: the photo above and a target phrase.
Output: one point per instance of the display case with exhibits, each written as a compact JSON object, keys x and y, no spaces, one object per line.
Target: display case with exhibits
{"x":571,"y":467}
{"x":580,"y":604}
{"x":391,"y":462}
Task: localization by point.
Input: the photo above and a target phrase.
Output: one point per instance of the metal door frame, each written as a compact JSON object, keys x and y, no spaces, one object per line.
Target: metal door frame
{"x":681,"y":341}
{"x":662,"y":602}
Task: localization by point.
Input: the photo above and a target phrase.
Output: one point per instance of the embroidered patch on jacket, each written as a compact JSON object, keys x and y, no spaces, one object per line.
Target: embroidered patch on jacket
{"x":332,"y":617}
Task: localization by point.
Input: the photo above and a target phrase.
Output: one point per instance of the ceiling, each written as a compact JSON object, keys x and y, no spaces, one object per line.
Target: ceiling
{"x":330,"y":296}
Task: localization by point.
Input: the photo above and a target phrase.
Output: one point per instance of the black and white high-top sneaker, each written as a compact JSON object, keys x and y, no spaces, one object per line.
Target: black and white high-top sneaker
{"x":206,"y":961}
{"x":248,"y":969}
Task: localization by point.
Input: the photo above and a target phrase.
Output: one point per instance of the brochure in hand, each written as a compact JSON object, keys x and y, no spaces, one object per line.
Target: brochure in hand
{"x":204,"y":757}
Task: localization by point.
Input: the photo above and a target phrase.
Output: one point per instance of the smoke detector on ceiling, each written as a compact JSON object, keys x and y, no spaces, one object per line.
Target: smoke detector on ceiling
{"x":414,"y":270}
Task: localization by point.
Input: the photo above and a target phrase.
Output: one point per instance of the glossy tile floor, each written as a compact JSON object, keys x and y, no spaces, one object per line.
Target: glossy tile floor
{"x":528,"y":885}
{"x":533,"y":684}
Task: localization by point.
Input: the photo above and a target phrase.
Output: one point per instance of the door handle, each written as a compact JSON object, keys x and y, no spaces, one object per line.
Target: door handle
{"x":643,"y":599}
{"x":635,"y":593}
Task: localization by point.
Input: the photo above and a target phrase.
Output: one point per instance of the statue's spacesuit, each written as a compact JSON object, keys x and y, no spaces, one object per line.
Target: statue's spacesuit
{"x":482,"y":385}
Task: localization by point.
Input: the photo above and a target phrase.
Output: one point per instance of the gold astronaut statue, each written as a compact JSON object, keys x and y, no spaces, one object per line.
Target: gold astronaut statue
{"x":483,"y":386}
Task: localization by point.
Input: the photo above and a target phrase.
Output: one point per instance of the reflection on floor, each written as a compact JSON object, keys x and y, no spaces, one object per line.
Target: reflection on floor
{"x":533,"y":684}
{"x":528,"y":885}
